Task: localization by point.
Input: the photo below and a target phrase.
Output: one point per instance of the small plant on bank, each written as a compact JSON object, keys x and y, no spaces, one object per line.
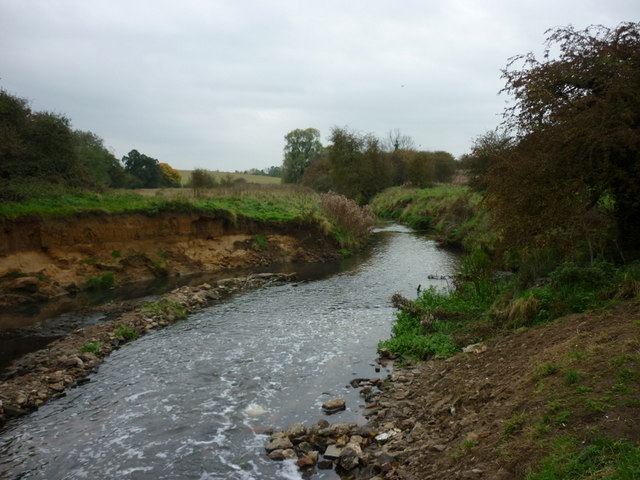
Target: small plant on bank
{"x":91,"y":347}
{"x":261,"y":241}
{"x":126,"y":333}
{"x":165,"y":308}
{"x":513,"y":424}
{"x":104,"y":282}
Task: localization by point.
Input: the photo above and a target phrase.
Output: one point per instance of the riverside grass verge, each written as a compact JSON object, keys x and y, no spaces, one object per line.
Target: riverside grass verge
{"x":452,"y":214}
{"x":338,"y":217}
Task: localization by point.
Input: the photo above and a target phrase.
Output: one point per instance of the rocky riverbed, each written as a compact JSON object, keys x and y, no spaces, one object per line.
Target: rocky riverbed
{"x":67,"y":363}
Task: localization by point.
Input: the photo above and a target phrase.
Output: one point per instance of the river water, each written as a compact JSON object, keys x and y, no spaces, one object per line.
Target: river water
{"x":191,"y":401}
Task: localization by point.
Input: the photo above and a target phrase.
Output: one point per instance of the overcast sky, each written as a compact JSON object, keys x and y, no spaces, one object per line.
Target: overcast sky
{"x":217,"y":84}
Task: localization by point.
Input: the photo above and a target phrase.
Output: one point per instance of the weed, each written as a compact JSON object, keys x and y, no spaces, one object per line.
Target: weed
{"x":126,"y":333}
{"x":572,"y":377}
{"x":562,"y":417}
{"x":103,"y":282}
{"x":165,"y":308}
{"x":595,"y":406}
{"x":261,"y":241}
{"x":91,"y":347}
{"x":513,"y":424}
{"x":545,"y":370}
{"x":116,"y":254}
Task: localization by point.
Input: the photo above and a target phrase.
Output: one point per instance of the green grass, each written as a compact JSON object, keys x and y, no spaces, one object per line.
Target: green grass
{"x":452,"y":213}
{"x":126,"y":334}
{"x":104,"y":282}
{"x":91,"y":347}
{"x":600,"y":458}
{"x":164,"y":308}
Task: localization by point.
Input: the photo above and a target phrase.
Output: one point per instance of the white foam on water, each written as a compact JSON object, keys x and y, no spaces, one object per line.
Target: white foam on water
{"x":254,"y":410}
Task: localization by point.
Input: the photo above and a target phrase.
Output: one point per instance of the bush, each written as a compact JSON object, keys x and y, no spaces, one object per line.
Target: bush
{"x":103,"y":282}
{"x":350,"y":221}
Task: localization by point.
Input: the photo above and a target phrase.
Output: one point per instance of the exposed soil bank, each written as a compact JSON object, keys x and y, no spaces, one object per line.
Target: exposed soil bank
{"x":67,"y":362}
{"x":44,"y":258}
{"x":492,"y":412}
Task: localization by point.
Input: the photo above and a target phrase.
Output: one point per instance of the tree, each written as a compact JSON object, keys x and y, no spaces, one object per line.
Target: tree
{"x":201,"y":179}
{"x":145,"y":169}
{"x":486,"y":150}
{"x":396,"y":140}
{"x":576,"y":120}
{"x":358,"y":167}
{"x":103,"y":167}
{"x":301,"y":149}
{"x":170,"y":177}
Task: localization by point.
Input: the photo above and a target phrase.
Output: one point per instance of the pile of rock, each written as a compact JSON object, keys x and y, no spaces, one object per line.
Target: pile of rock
{"x":355,"y":451}
{"x":343,"y":446}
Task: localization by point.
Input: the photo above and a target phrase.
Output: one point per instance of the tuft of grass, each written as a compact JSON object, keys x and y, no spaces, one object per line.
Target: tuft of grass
{"x":91,"y":347}
{"x":126,"y":333}
{"x":572,"y":377}
{"x":514,"y":424}
{"x":261,"y":241}
{"x":165,"y":308}
{"x":545,"y":370}
{"x":103,"y":282}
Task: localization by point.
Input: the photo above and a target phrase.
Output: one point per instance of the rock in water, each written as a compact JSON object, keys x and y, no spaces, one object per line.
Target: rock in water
{"x":334,"y":405}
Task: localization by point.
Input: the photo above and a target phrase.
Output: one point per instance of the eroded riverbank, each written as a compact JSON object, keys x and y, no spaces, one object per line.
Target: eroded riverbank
{"x":45,"y":258}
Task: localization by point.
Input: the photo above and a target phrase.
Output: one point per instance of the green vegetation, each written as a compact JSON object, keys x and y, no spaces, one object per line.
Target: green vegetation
{"x":453,"y":214}
{"x":91,"y":347}
{"x":261,"y":241}
{"x":165,"y":308}
{"x":600,"y":458}
{"x":125,"y":333}
{"x":103,"y":282}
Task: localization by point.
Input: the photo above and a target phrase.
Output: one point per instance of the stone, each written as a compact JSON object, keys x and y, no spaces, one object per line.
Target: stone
{"x":334,"y":405}
{"x":350,"y":456}
{"x":277,"y":455}
{"x":475,"y":348}
{"x":278,"y":443}
{"x":297,"y":430}
{"x":305,"y":462}
{"x":325,"y":464}
{"x":332,"y":452}
{"x":342,"y":428}
{"x":289,"y":454}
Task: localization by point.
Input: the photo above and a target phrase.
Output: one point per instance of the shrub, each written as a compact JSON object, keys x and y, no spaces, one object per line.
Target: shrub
{"x":350,"y":221}
{"x":103,"y":282}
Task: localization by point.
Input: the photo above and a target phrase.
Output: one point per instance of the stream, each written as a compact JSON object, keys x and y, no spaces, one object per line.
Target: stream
{"x":192,"y":401}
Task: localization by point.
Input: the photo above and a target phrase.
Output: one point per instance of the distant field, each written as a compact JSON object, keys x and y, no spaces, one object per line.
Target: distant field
{"x":260,"y":179}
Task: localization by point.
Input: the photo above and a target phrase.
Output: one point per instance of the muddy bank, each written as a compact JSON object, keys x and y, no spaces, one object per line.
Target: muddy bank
{"x":66,"y":363}
{"x":44,"y":258}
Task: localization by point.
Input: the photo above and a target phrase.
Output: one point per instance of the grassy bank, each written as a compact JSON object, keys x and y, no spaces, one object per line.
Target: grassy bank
{"x":453,"y":214}
{"x":342,"y":219}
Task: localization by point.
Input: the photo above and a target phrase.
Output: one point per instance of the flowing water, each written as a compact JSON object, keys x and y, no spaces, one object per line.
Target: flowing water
{"x":191,"y":401}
